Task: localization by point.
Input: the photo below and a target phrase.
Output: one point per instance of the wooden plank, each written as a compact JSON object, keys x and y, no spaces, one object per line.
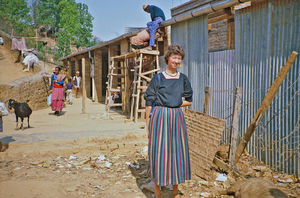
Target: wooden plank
{"x":133,"y":93}
{"x":115,"y":105}
{"x":143,"y":101}
{"x":221,"y":165}
{"x":138,"y":91}
{"x":234,"y":132}
{"x":265,"y":105}
{"x":142,"y":87}
{"x":220,"y":18}
{"x":149,"y":52}
{"x":206,"y":102}
{"x":83,"y":87}
{"x":216,"y":14}
{"x":117,"y":75}
{"x":151,"y":71}
{"x":145,"y":77}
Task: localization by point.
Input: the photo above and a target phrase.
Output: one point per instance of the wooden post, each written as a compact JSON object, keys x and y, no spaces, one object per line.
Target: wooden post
{"x":264,"y":105}
{"x":206,"y":102}
{"x":235,"y":123}
{"x":83,"y":86}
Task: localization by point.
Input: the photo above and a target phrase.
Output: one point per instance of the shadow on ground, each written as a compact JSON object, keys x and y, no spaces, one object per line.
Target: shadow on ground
{"x":5,"y":142}
{"x":142,"y":174}
{"x":60,"y":114}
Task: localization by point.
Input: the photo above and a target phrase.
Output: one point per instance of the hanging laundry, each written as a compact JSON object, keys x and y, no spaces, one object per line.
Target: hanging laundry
{"x":18,"y":44}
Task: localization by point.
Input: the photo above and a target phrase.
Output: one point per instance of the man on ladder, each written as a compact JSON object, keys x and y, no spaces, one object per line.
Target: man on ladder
{"x":157,"y":16}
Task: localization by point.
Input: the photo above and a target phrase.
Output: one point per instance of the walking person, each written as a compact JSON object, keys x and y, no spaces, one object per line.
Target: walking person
{"x":157,"y":16}
{"x":3,"y":112}
{"x":57,"y":98}
{"x":168,"y":145}
{"x":69,"y":86}
{"x":77,"y":80}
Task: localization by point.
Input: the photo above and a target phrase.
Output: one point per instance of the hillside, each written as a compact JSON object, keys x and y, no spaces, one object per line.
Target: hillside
{"x":10,"y":71}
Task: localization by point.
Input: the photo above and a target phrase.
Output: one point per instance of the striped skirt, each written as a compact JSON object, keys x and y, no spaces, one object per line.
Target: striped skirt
{"x":168,"y":147}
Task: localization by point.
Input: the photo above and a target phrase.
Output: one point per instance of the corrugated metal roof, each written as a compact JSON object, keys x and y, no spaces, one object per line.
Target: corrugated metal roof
{"x":123,"y":36}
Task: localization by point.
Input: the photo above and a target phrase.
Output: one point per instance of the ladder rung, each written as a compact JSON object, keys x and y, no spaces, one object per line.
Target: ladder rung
{"x":115,"y":105}
{"x":142,"y":87}
{"x":114,"y":90}
{"x":141,"y":110}
{"x":119,"y":75}
{"x":119,"y":68}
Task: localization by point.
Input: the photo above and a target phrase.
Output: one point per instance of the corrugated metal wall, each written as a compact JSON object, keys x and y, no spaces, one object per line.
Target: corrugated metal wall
{"x":192,"y":35}
{"x":266,"y":34}
{"x":221,"y":67}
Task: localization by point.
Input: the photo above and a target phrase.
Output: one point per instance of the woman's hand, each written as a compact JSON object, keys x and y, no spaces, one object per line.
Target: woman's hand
{"x":186,"y":103}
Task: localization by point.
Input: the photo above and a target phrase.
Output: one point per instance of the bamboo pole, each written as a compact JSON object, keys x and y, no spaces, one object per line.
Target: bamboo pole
{"x":264,"y":105}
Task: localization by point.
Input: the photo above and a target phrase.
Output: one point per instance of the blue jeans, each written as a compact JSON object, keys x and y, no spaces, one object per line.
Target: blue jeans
{"x":152,"y":27}
{"x":1,"y":124}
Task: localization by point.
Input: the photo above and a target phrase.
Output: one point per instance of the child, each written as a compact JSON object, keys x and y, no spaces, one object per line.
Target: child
{"x":69,"y":92}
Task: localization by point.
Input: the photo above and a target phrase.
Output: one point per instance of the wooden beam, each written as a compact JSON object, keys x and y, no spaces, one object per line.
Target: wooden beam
{"x":264,"y":105}
{"x":220,"y":18}
{"x":206,"y":102}
{"x":83,"y":86}
{"x":234,"y":132}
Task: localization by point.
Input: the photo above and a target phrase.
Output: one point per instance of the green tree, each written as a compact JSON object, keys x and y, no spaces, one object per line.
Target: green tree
{"x":75,"y":26}
{"x":16,"y":15}
{"x":84,"y":34}
{"x":46,"y":13}
{"x":67,"y":27}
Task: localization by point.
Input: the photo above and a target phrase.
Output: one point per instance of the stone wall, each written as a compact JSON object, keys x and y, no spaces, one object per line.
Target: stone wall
{"x":36,"y":91}
{"x":204,"y":134}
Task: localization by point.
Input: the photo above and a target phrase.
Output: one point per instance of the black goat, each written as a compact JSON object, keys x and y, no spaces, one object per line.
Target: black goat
{"x":22,"y":110}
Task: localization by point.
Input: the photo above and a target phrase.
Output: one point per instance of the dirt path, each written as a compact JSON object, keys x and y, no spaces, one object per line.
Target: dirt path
{"x":45,"y":126}
{"x":10,"y":71}
{"x":93,"y":155}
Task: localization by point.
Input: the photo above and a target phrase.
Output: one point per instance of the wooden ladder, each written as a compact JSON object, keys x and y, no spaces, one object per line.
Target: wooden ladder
{"x":117,"y":65}
{"x":142,"y":77}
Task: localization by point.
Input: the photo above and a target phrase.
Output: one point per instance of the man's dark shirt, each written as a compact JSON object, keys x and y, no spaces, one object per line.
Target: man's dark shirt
{"x":156,"y":12}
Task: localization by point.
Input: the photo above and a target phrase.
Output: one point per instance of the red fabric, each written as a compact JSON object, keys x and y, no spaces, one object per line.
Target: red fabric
{"x":57,"y":86}
{"x":57,"y":99}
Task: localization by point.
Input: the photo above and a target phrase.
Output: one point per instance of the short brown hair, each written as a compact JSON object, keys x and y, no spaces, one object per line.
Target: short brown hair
{"x":174,"y":49}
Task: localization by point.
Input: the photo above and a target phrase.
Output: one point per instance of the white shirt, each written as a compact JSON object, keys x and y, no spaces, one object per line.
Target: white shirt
{"x":77,"y":79}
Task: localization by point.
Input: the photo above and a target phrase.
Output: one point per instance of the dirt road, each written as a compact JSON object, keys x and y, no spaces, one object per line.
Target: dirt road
{"x":95,"y":155}
{"x":37,"y":163}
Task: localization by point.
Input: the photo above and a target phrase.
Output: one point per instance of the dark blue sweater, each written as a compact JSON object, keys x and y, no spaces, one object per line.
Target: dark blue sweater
{"x":156,"y":12}
{"x":169,"y":92}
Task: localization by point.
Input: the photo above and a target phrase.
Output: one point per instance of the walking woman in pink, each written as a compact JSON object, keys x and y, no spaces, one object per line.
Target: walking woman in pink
{"x":168,"y":145}
{"x":57,"y":98}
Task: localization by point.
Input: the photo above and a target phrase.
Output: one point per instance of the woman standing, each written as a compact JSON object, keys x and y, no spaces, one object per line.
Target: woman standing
{"x":168,"y":144}
{"x":57,"y":98}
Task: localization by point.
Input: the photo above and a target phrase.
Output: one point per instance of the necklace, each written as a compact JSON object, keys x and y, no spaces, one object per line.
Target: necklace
{"x":171,"y":75}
